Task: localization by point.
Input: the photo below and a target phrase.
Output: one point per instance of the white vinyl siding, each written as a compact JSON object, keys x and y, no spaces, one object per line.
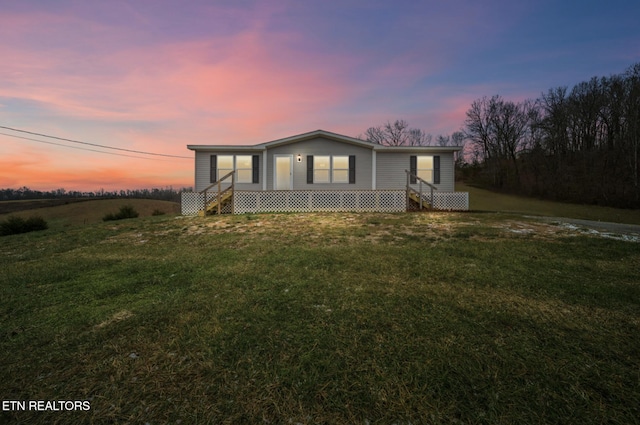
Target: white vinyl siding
{"x":323,"y":147}
{"x":391,"y":166}
{"x":203,"y":170}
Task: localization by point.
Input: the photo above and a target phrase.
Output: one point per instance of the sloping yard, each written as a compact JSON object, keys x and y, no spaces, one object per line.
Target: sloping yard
{"x":322,"y":318}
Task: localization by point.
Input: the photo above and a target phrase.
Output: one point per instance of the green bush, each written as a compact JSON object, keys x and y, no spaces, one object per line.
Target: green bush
{"x":14,"y":225}
{"x":157,"y":212}
{"x":126,"y":211}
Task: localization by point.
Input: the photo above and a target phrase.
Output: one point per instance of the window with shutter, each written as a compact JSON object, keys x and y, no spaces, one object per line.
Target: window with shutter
{"x":352,"y":169}
{"x":255,"y":178}
{"x":213,"y":169}
{"x":427,"y":167}
{"x":247,"y":167}
{"x":413,"y":168}
{"x":331,"y":169}
{"x":309,"y":169}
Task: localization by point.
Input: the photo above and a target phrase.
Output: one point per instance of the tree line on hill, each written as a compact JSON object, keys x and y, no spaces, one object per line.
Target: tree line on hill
{"x":579,"y":145}
{"x":23,"y":193}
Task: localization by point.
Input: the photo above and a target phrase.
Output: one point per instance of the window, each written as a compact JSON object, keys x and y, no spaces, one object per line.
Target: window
{"x":244,"y":165}
{"x":247,"y":167}
{"x":427,"y":167}
{"x":340,"y":171}
{"x":225,"y":165}
{"x":321,"y":168}
{"x":424,"y":168}
{"x":331,"y":169}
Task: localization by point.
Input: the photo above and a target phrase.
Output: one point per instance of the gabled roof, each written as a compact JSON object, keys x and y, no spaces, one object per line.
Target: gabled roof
{"x":319,"y":133}
{"x":326,"y":135}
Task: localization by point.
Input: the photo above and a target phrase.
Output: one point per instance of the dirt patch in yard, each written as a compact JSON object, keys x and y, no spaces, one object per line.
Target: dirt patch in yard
{"x":331,"y":228}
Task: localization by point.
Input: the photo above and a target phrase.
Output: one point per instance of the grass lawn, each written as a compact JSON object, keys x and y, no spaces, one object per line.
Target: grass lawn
{"x":486,"y":200}
{"x":321,"y":318}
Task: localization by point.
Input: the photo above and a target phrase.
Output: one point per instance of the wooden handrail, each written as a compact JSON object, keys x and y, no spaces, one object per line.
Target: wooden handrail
{"x":410,"y":174}
{"x":216,"y":183}
{"x":220,"y":192}
{"x":419,"y":191}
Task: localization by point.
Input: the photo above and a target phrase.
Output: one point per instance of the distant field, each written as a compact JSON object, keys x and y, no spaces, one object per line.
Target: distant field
{"x":64,"y":213}
{"x":486,"y":200}
{"x":424,"y":318}
{"x":7,"y":207}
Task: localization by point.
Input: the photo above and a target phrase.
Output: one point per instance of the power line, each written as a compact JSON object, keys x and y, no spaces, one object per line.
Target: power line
{"x":92,"y":144}
{"x":84,"y":149}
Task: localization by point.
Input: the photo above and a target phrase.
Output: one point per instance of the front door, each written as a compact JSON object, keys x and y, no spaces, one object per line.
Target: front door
{"x":283,"y":172}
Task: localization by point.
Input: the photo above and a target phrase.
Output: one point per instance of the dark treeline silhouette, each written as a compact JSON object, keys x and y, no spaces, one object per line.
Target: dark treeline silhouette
{"x":165,"y":194}
{"x":579,"y":145}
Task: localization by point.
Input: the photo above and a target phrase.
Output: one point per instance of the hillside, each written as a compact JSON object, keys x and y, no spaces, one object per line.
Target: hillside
{"x":82,"y":211}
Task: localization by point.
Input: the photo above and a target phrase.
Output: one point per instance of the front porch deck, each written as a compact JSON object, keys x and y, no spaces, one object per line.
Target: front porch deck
{"x":243,"y":202}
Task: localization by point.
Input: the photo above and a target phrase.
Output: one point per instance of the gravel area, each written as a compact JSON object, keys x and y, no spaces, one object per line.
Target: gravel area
{"x":630,"y":231}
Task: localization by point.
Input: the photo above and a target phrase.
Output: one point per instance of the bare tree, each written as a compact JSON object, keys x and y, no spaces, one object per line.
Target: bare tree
{"x":478,"y":126}
{"x":443,"y":140}
{"x":397,"y":133}
{"x":499,"y":128}
{"x":418,"y":137}
{"x":458,"y":139}
{"x":374,"y":135}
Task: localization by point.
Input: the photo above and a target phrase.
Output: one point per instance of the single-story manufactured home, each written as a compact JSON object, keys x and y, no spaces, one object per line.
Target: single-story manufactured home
{"x":322,"y":171}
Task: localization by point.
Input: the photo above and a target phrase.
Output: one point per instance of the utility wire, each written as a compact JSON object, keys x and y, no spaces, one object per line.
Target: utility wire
{"x":78,"y":147}
{"x":92,"y":144}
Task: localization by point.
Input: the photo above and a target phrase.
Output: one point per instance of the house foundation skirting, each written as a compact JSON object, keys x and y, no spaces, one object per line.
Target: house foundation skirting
{"x":324,"y":201}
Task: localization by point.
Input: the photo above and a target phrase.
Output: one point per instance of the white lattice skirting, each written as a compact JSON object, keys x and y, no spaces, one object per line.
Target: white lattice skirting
{"x":191,"y":203}
{"x":320,"y":200}
{"x":324,"y":200}
{"x":451,"y":201}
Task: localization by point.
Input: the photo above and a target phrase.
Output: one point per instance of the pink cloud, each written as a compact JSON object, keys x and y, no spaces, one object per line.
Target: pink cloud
{"x":246,"y":82}
{"x":247,"y":86}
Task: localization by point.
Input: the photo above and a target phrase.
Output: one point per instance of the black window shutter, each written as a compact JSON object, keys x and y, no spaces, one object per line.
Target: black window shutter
{"x":213,"y":176}
{"x":436,"y":169}
{"x":413,"y":168}
{"x":352,"y":169}
{"x":255,"y":169}
{"x":309,"y":169}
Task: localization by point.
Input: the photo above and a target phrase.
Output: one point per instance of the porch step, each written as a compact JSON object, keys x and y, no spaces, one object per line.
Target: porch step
{"x":212,"y":208}
{"x":415,"y":197}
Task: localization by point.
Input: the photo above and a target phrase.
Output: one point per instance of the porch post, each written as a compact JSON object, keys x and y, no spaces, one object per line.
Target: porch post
{"x":219,"y":187}
{"x":264,"y":169}
{"x":408,"y":183}
{"x":373,"y":170}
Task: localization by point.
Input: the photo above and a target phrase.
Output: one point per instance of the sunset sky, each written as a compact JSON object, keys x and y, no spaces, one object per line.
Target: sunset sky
{"x":154,"y":76}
